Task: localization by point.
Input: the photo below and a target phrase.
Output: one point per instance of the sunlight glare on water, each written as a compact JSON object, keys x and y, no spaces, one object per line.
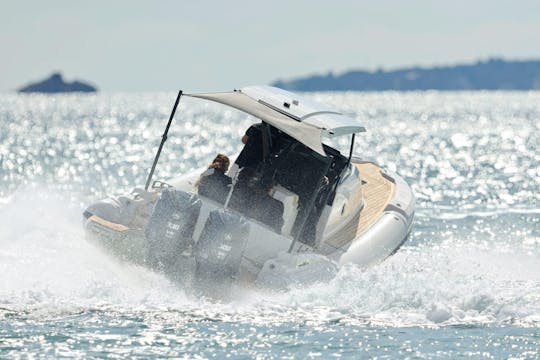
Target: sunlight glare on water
{"x":467,"y":283}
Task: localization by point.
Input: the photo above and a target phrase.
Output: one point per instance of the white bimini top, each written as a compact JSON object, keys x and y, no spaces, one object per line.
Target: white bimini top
{"x":302,"y":118}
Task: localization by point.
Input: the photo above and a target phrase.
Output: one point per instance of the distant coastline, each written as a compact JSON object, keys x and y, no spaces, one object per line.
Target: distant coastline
{"x":494,"y":74}
{"x":56,"y":84}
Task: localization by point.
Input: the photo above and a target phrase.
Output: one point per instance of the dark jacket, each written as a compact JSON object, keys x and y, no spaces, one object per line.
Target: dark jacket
{"x":214,"y":184}
{"x":252,"y":154}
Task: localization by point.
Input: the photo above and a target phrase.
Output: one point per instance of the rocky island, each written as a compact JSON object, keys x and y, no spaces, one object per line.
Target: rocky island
{"x":56,"y":84}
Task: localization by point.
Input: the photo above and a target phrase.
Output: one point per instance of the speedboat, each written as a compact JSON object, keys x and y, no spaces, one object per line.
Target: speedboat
{"x":299,"y":206}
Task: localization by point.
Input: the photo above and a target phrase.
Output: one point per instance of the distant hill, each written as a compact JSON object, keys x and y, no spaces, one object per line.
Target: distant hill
{"x":494,"y":74}
{"x":56,"y":84}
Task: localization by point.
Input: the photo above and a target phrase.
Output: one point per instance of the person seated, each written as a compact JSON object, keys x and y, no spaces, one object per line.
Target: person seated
{"x":246,"y":186}
{"x":262,"y":144}
{"x":213,"y":183}
{"x":251,"y":198}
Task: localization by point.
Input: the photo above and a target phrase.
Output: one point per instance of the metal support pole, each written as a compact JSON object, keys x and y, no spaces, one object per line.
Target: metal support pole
{"x":352,"y":148}
{"x":163,"y":139}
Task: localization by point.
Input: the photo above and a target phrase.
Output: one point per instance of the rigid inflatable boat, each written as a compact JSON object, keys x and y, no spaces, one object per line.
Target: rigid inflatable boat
{"x":289,"y":206}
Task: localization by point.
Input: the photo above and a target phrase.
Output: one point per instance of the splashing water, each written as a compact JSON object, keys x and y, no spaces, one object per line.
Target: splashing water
{"x":466,"y":284}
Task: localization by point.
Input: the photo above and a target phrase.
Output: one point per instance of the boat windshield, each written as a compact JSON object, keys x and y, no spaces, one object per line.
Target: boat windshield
{"x":339,"y":143}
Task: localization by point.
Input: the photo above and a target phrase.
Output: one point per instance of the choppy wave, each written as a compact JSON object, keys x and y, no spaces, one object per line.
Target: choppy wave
{"x":472,"y":260}
{"x":48,"y":269}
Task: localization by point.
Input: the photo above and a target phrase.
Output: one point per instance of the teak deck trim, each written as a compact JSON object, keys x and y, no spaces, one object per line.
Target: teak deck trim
{"x":377,"y":191}
{"x":109,"y":224}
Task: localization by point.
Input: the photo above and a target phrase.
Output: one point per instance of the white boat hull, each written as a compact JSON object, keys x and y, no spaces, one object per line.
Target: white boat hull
{"x":294,"y":196}
{"x":371,"y":241}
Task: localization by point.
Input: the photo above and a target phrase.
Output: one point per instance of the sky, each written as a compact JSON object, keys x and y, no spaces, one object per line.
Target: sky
{"x":203,"y":45}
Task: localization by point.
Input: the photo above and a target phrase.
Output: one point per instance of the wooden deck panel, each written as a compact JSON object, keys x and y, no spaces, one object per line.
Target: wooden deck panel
{"x":377,"y":192}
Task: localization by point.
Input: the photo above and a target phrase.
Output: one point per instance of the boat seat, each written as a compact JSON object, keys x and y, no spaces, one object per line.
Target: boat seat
{"x":290,"y":207}
{"x":257,"y":205}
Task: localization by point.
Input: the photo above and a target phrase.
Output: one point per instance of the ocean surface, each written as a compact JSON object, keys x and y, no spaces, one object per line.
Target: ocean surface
{"x":465,"y":285}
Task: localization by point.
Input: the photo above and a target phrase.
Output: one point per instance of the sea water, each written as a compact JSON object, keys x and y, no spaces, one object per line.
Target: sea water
{"x":465,"y":285}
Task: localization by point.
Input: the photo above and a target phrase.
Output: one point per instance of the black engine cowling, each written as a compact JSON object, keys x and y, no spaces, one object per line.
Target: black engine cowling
{"x":170,"y":228}
{"x":219,"y":250}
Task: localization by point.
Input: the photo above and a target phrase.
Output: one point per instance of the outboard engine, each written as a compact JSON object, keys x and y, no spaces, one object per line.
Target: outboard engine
{"x":219,"y":251}
{"x":170,"y":229}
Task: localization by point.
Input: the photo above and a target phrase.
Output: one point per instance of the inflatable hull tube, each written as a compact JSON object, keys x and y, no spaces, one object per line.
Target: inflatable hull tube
{"x":296,"y":270}
{"x":392,"y":229}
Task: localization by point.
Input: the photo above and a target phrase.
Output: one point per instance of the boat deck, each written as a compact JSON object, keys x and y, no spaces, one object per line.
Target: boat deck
{"x":377,"y":191}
